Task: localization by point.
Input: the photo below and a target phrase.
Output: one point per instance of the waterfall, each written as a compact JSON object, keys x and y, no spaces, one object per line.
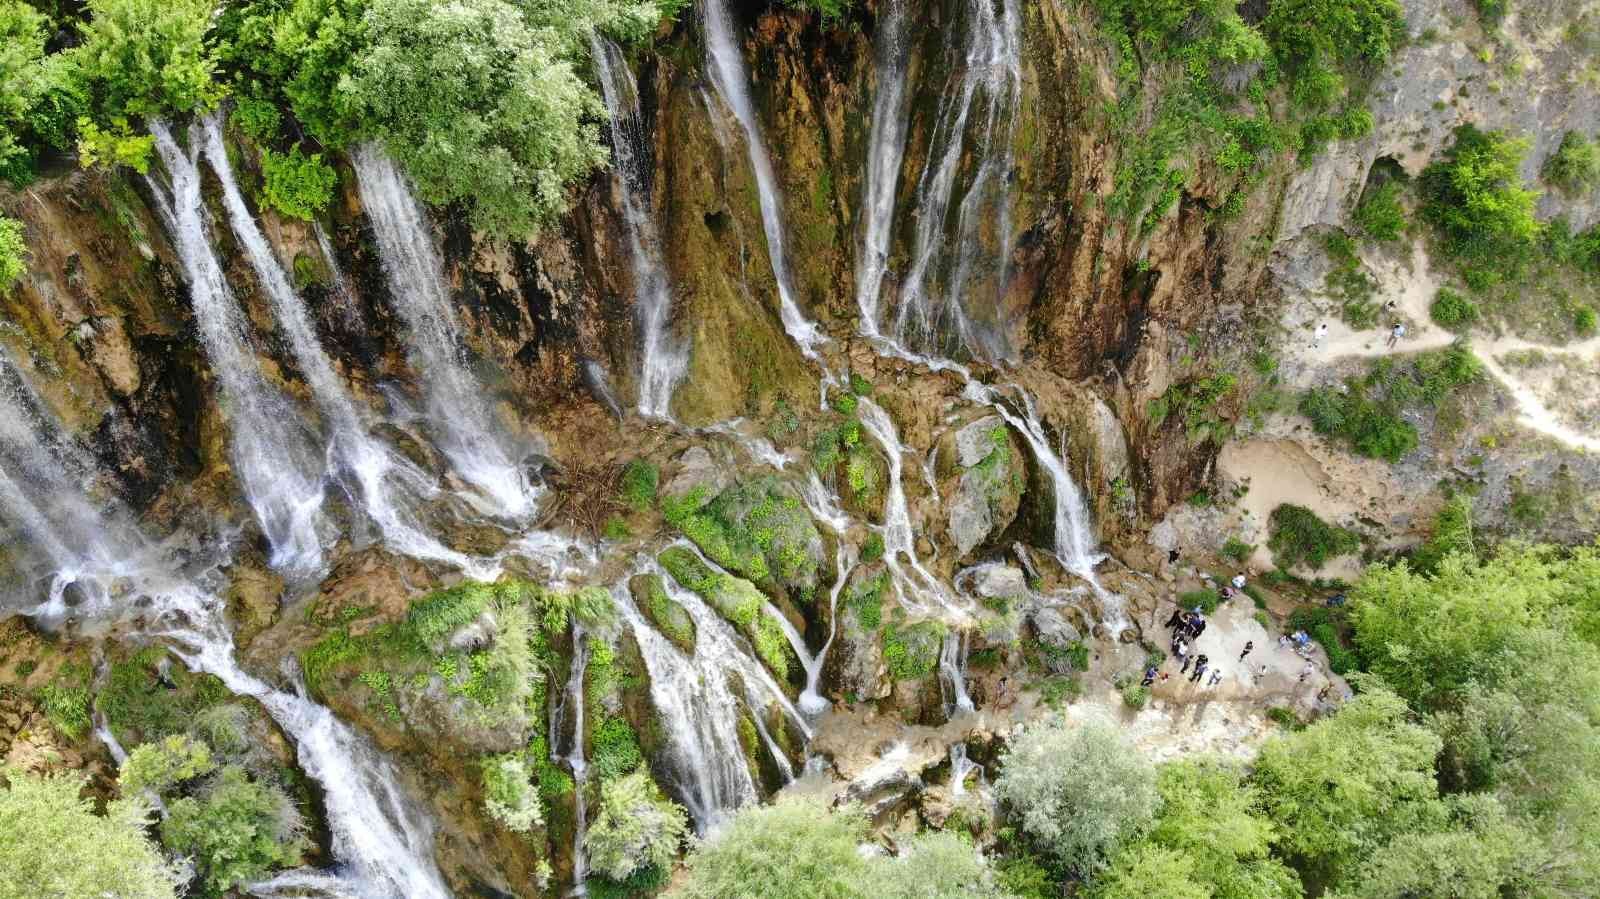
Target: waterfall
{"x":382,"y":843}
{"x":662,"y":360}
{"x":699,"y":711}
{"x":961,"y":768}
{"x":725,"y":68}
{"x":383,"y":483}
{"x":886,"y":145}
{"x":572,"y":702}
{"x":457,"y":407}
{"x":272,"y":448}
{"x":912,"y":582}
{"x":953,"y":670}
{"x":934,"y":314}
{"x":824,"y":506}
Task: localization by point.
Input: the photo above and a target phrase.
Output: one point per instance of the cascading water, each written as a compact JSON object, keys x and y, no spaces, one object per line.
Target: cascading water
{"x":961,"y":768}
{"x":726,"y":71}
{"x":934,"y":311}
{"x":662,"y":360}
{"x":698,"y":710}
{"x":272,"y":449}
{"x":384,"y":847}
{"x":572,"y":704}
{"x":912,"y":582}
{"x":886,"y":145}
{"x":953,"y":672}
{"x":384,"y":484}
{"x":457,"y":408}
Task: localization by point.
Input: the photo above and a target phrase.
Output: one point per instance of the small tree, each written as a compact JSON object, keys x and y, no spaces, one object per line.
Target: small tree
{"x":792,"y":849}
{"x":1078,"y":793}
{"x":636,"y":828}
{"x":236,"y":829}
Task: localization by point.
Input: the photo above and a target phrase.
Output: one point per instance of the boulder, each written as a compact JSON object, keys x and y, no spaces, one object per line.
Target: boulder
{"x":671,"y":619}
{"x":983,"y":477}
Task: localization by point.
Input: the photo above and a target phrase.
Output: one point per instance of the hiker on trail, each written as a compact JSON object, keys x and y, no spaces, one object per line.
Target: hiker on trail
{"x":1199,"y":669}
{"x":1197,"y":626}
{"x":1175,"y":620}
{"x":1248,"y":645}
{"x":1307,"y":671}
{"x":1183,"y":653}
{"x":1149,"y":676}
{"x":1318,"y":335}
{"x":1395,"y":333}
{"x":1216,"y":677}
{"x":1238,"y":581}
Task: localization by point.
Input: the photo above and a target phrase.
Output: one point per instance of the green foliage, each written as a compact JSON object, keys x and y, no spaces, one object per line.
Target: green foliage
{"x":912,"y":652}
{"x":1147,"y":870}
{"x":141,"y":704}
{"x":1236,"y":549}
{"x":1298,"y":537}
{"x":53,"y":844}
{"x":1206,"y":600}
{"x":764,"y":839}
{"x":236,"y":830}
{"x":646,"y":881}
{"x":1574,"y":167}
{"x":866,"y":598}
{"x":65,"y":702}
{"x":1348,"y":783}
{"x":615,"y":749}
{"x":1474,"y":196}
{"x":1381,"y":215}
{"x":872,"y":549}
{"x":140,"y":59}
{"x":1492,"y":11}
{"x":508,"y":792}
{"x":859,"y":385}
{"x":934,"y":865}
{"x":159,"y":766}
{"x":257,"y":117}
{"x":1134,"y":696}
{"x":1195,"y":403}
{"x":844,"y":403}
{"x":1452,"y":534}
{"x":1452,"y":311}
{"x":640,"y":480}
{"x":1316,"y":40}
{"x":758,"y":529}
{"x":479,"y":106}
{"x":667,"y":615}
{"x":636,"y":828}
{"x":13,"y":254}
{"x":735,"y":599}
{"x":1367,"y":412}
{"x":1077,"y":792}
{"x":296,"y":184}
{"x":1325,"y":626}
{"x":38,"y":99}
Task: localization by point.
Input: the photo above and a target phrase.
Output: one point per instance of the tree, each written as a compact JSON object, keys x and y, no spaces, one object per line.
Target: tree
{"x":1475,"y":197}
{"x":1213,"y":817}
{"x":37,"y":100}
{"x":236,"y":830}
{"x":793,"y":849}
{"x":162,"y":765}
{"x":53,"y":844}
{"x":478,"y":107}
{"x":636,"y":828}
{"x":1474,"y":851}
{"x":1452,"y":533}
{"x":1342,"y":787}
{"x":1078,"y":793}
{"x":935,"y":865}
{"x":146,"y":58}
{"x":1148,"y":870}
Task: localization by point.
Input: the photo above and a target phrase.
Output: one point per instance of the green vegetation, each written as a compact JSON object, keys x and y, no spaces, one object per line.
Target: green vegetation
{"x":1475,"y":198}
{"x":1206,"y":600}
{"x":1077,"y":793}
{"x":872,"y":549}
{"x":1452,"y":311}
{"x":758,"y":530}
{"x":735,"y":599}
{"x":296,"y":184}
{"x":672,"y":619}
{"x":509,"y":795}
{"x":141,"y":704}
{"x":1236,"y":549}
{"x":1328,"y":627}
{"x":1381,"y":215}
{"x":1196,"y":404}
{"x":236,"y":829}
{"x":160,"y":766}
{"x":53,"y":844}
{"x":1367,"y":412}
{"x":636,"y":829}
{"x":866,"y":600}
{"x":37,"y":100}
{"x":615,"y":750}
{"x":65,"y":702}
{"x":1299,"y":537}
{"x":640,"y":480}
{"x":1574,"y":167}
{"x":1348,"y":281}
{"x":13,"y":254}
{"x":912,"y":651}
{"x":1452,"y":533}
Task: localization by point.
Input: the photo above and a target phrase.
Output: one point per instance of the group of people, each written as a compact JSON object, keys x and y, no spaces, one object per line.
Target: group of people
{"x":1186,"y":629}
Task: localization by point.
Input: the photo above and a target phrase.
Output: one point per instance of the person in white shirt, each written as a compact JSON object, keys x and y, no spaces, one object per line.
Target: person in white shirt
{"x":1316,"y":337}
{"x":1397,"y":332}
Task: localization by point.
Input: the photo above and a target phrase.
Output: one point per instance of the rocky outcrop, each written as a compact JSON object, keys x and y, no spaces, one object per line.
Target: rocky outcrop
{"x":984,"y":473}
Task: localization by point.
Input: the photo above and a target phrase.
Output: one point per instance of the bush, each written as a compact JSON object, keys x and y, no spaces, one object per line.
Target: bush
{"x":1574,"y":167}
{"x":1381,"y":215}
{"x":872,"y":550}
{"x":159,"y":766}
{"x":792,"y":849}
{"x":1584,"y":321}
{"x":912,"y":652}
{"x":236,"y":830}
{"x":1299,"y":537}
{"x":1475,"y":197}
{"x":1077,"y":792}
{"x":934,"y":865}
{"x":640,"y":480}
{"x":635,"y":829}
{"x":13,"y":254}
{"x":1372,"y":426}
{"x":616,"y":750}
{"x":54,"y":844}
{"x":1237,"y":549}
{"x":508,"y":793}
{"x":66,"y":704}
{"x":296,"y":184}
{"x":1452,"y":311}
{"x":1134,"y":695}
{"x":1206,"y":600}
{"x":1452,"y":534}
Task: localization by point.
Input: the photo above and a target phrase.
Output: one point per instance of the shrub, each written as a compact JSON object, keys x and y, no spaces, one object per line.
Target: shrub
{"x":635,"y":829}
{"x":159,"y":766}
{"x":296,"y":184}
{"x":508,"y":793}
{"x":859,"y":385}
{"x":912,"y":652}
{"x":1381,"y":215}
{"x":1474,"y":196}
{"x":1452,"y":311}
{"x":1077,"y":792}
{"x":1298,"y":536}
{"x":54,"y":844}
{"x":616,"y":750}
{"x":236,"y":830}
{"x":1584,"y":321}
{"x":1452,"y":534}
{"x":1574,"y":167}
{"x":256,"y":116}
{"x":1372,"y":426}
{"x":762,"y":841}
{"x":640,"y":480}
{"x":1206,"y":600}
{"x":66,"y":704}
{"x":934,"y":865}
{"x":1492,"y":11}
{"x":1237,"y":549}
{"x":13,"y":254}
{"x":1134,"y":695}
{"x":872,"y":550}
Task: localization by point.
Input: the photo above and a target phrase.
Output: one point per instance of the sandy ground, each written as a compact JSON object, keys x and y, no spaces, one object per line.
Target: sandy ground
{"x":1279,"y":471}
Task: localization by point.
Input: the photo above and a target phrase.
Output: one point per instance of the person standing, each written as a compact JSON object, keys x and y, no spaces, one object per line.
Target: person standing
{"x":1176,"y":619}
{"x":1395,"y":333}
{"x":1307,"y":671}
{"x":1248,"y":645}
{"x":1199,"y":669}
{"x":1318,"y":335}
{"x":1149,"y":676}
{"x":1216,"y":677}
{"x":1183,"y":653}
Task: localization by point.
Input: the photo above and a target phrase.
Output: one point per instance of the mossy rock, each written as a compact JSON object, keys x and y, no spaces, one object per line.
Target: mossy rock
{"x":912,"y":651}
{"x":759,"y":530}
{"x":738,"y":601}
{"x":671,"y":619}
{"x":862,"y":475}
{"x":984,"y":476}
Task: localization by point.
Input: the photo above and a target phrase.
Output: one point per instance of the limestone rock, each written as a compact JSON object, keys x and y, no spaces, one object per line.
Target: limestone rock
{"x":984,"y":479}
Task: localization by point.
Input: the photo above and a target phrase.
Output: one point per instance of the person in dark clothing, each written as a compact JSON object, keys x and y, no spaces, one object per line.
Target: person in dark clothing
{"x":1248,"y":645}
{"x":1172,"y":556}
{"x":1149,"y":676}
{"x":1197,"y":626}
{"x":1175,"y":620}
{"x":1199,"y":670}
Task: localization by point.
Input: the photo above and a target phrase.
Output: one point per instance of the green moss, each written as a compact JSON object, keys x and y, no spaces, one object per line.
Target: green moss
{"x":640,"y":480}
{"x":912,"y":652}
{"x":140,"y":705}
{"x":668,"y":617}
{"x":866,"y":598}
{"x":757,"y":530}
{"x":615,"y":749}
{"x":735,"y":599}
{"x":65,"y":701}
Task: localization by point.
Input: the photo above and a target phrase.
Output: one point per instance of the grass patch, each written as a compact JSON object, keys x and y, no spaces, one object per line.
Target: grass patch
{"x":1299,"y":537}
